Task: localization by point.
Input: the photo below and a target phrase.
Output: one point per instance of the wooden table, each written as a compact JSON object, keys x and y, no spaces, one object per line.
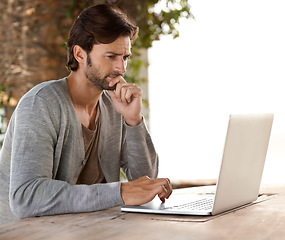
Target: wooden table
{"x":264,"y":219}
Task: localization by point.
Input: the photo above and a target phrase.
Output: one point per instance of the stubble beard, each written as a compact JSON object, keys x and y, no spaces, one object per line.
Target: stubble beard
{"x":93,"y":75}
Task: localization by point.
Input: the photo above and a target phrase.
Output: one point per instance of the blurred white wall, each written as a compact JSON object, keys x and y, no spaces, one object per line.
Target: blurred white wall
{"x":230,"y":59}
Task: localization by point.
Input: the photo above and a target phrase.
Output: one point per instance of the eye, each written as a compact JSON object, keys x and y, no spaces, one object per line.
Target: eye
{"x":126,"y":57}
{"x":111,"y":56}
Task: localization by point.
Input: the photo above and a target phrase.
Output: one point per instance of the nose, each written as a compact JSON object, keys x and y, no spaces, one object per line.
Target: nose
{"x":121,"y":66}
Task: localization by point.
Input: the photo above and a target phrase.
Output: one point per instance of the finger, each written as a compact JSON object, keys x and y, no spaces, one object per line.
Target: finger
{"x":169,"y":188}
{"x":113,"y":96}
{"x":121,"y":91}
{"x":133,"y":92}
{"x":165,"y":190}
{"x":124,"y":90}
{"x":118,"y":91}
{"x":128,"y":95}
{"x":113,"y":85}
{"x":116,"y":80}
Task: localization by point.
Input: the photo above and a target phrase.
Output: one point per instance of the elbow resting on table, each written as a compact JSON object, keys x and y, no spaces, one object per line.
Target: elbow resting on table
{"x":21,"y":207}
{"x":19,"y":210}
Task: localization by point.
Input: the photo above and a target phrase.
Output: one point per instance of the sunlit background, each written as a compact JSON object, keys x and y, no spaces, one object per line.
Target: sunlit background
{"x":230,"y":59}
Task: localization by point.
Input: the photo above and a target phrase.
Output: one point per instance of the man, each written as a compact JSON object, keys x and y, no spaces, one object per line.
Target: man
{"x":68,"y":139}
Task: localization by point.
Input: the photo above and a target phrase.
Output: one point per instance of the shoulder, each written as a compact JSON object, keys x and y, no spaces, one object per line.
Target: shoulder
{"x":48,"y":99}
{"x":54,"y":93}
{"x":48,"y":90}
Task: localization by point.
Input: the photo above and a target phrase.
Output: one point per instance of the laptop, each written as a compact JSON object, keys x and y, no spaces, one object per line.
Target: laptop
{"x":240,"y":174}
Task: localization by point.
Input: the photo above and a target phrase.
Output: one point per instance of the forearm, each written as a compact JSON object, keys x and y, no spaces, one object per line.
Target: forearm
{"x":40,"y":197}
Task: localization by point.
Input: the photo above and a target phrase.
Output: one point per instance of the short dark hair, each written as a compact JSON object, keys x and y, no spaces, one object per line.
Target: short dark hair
{"x":100,"y":24}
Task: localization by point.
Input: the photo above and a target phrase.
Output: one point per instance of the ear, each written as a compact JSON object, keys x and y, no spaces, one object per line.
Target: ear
{"x":79,"y":54}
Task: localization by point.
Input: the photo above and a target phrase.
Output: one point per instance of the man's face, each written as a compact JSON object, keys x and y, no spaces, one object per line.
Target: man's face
{"x":107,"y":61}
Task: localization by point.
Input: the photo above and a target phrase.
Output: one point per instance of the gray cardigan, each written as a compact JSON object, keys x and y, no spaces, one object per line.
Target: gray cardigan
{"x":43,"y":153}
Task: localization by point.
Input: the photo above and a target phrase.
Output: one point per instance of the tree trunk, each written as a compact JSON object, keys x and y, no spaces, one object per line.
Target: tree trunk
{"x":32,"y":49}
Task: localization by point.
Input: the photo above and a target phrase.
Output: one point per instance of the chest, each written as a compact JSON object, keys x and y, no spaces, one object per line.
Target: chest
{"x":87,"y":118}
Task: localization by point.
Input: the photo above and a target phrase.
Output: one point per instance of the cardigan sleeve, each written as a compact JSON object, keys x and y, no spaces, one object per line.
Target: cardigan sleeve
{"x":139,"y":157}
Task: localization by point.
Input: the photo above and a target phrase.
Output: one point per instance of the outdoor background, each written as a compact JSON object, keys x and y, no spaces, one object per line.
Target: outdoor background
{"x":230,"y":59}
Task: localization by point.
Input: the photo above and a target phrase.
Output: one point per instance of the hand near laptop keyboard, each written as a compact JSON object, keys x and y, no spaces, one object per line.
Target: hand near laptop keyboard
{"x":144,"y":189}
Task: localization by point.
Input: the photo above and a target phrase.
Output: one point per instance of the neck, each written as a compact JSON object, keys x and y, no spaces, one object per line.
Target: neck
{"x":83,"y":94}
{"x":84,"y":97}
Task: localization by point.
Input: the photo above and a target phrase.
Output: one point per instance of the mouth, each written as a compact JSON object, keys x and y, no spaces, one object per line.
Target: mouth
{"x":114,"y":75}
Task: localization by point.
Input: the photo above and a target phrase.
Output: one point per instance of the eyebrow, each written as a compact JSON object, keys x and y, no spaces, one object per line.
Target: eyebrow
{"x":118,"y":54}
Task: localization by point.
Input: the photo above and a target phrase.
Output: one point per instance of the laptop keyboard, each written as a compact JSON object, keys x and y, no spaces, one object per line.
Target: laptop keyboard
{"x":200,"y":205}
